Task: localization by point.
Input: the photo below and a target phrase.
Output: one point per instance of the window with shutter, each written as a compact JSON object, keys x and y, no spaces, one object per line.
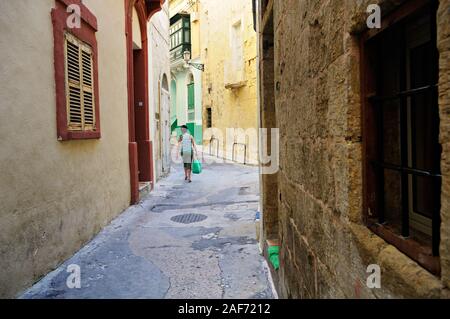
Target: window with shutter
{"x":76,"y":74}
{"x":79,"y":85}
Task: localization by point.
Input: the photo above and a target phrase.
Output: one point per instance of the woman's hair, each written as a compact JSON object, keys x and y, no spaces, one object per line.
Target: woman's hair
{"x":184,"y":126}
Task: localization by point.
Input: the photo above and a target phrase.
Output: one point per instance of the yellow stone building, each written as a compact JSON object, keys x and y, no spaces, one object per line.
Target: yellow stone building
{"x":228,"y":49}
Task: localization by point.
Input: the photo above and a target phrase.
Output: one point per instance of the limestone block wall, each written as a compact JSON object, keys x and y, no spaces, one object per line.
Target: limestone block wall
{"x":443,"y":34}
{"x":326,"y":247}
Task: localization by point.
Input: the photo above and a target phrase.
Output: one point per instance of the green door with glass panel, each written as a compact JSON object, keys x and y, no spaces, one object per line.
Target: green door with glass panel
{"x":191,"y":103}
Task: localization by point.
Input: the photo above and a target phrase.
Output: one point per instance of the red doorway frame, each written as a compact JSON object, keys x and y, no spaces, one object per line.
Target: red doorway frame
{"x":140,"y":145}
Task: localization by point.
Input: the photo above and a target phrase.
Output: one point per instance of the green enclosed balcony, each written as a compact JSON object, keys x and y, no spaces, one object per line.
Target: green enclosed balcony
{"x":180,"y":36}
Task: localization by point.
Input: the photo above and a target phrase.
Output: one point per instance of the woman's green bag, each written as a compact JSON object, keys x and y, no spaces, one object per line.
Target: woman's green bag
{"x":196,"y":167}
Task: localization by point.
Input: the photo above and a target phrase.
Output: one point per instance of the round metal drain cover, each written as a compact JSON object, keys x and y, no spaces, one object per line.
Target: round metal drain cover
{"x":188,"y":218}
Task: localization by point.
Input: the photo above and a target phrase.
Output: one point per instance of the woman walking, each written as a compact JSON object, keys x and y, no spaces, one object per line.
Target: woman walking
{"x":187,"y":144}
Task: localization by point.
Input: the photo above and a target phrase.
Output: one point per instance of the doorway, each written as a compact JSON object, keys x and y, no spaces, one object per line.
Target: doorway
{"x":141,"y":116}
{"x":191,"y":105}
{"x":268,"y":120}
{"x":163,"y":125}
{"x":162,"y":116}
{"x":140,"y":145}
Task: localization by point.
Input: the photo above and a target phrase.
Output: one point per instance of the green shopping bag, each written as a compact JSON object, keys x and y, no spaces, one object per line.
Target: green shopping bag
{"x":274,"y":252}
{"x":196,"y":167}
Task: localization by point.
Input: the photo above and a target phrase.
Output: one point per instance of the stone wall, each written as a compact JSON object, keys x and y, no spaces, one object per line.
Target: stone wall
{"x":325,"y":246}
{"x":444,"y":107}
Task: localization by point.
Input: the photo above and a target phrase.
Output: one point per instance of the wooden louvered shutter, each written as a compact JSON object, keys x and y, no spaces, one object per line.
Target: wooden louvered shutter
{"x":87,"y":86}
{"x":79,"y":85}
{"x":73,"y":84}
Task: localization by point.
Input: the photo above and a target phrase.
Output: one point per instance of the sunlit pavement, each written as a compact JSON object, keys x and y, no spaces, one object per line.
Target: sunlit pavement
{"x":156,"y":250}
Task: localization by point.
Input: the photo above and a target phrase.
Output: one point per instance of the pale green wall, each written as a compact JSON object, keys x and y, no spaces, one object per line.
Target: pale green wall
{"x":179,"y":99}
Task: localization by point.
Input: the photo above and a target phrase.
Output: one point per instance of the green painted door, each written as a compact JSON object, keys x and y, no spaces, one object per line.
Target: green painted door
{"x":191,"y":109}
{"x":191,"y":96}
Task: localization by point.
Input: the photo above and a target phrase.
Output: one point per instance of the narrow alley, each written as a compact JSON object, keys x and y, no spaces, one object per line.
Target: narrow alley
{"x":183,"y":241}
{"x":322,"y":127}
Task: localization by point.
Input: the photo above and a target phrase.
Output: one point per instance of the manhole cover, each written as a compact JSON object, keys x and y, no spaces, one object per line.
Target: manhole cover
{"x":188,"y":218}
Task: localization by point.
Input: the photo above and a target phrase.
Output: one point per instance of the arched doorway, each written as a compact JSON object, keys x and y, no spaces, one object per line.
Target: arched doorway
{"x":163,"y":127}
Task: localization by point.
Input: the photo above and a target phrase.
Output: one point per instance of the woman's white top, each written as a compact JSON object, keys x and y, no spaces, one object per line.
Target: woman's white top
{"x":186,"y":143}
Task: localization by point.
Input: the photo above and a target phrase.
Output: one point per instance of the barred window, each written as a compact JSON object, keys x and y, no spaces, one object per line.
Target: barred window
{"x":401,"y":133}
